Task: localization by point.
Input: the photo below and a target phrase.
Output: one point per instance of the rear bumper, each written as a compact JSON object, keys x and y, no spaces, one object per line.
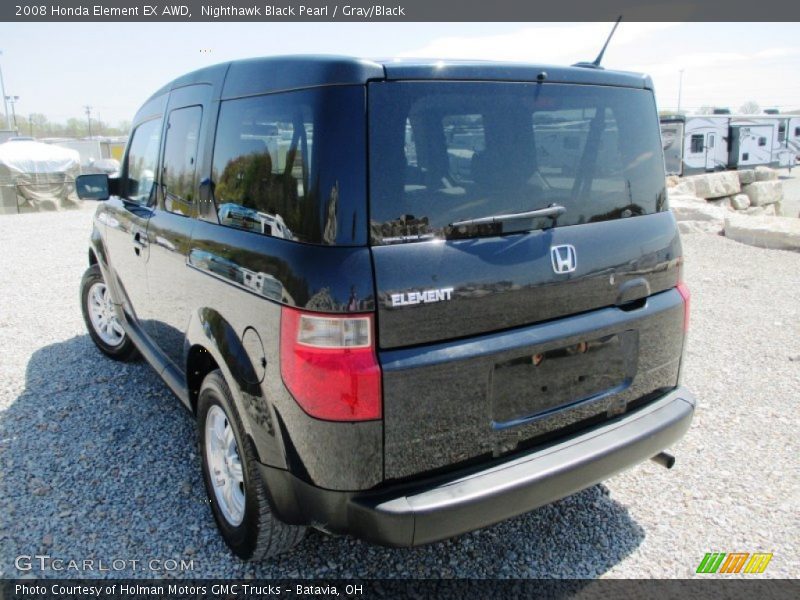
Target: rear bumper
{"x":424,"y":512}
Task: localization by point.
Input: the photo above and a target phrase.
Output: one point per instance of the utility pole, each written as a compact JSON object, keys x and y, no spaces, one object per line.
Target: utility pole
{"x":12,"y":100}
{"x":680,"y":89}
{"x":89,"y":118}
{"x":3,"y":94}
{"x":30,"y":125}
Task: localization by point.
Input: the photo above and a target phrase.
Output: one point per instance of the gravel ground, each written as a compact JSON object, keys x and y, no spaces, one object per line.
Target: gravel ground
{"x":98,"y":460}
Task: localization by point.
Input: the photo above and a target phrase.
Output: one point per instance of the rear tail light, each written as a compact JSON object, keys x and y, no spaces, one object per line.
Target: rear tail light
{"x":328,"y":362}
{"x":683,"y":290}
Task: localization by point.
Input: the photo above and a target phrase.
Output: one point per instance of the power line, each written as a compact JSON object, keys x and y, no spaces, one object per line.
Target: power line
{"x":88,"y":110}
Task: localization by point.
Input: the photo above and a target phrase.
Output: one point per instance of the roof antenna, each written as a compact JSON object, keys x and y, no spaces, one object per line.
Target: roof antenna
{"x":596,"y":63}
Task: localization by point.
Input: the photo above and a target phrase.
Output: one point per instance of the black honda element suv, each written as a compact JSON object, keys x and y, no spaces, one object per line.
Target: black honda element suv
{"x":404,"y":300}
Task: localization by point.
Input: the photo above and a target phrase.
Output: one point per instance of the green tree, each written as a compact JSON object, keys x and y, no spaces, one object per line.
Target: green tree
{"x":749,"y":108}
{"x":39,"y":126}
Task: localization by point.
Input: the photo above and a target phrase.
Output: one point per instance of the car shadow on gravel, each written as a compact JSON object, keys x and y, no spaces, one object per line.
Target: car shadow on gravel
{"x":98,"y":460}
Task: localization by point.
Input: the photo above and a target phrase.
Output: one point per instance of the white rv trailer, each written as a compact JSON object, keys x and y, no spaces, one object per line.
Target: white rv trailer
{"x":699,"y":144}
{"x":793,"y":135}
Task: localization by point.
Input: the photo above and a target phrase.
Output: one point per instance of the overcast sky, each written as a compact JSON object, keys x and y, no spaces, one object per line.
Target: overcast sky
{"x":55,"y":69}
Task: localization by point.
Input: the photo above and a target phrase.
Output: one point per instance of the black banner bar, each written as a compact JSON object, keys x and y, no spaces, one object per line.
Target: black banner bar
{"x":397,"y":10}
{"x":738,"y":588}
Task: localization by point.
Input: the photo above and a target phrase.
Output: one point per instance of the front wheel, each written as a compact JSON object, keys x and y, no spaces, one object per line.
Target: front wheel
{"x":235,"y":488}
{"x":101,"y":321}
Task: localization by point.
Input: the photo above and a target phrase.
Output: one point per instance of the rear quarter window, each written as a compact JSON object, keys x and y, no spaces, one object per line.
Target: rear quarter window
{"x":293,"y":165}
{"x":443,"y":152}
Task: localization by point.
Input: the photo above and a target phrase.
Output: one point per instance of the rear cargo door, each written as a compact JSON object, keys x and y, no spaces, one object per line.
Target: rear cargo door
{"x":495,"y":331}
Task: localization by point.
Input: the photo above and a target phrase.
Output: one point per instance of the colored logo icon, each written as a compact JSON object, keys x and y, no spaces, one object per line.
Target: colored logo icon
{"x":734,"y":562}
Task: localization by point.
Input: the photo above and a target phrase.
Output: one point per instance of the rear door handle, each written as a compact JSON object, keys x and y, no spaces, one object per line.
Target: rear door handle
{"x":633,"y":294}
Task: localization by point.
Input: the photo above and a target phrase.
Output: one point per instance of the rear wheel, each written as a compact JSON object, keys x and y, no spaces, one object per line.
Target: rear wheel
{"x":235,"y":488}
{"x":101,"y":320}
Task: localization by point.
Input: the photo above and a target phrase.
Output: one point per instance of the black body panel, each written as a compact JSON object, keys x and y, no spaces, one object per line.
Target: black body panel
{"x":338,"y":456}
{"x":334,"y":456}
{"x":281,"y":74}
{"x":438,"y":398}
{"x":476,"y":70}
{"x":168,"y":310}
{"x":428,"y":510}
{"x":509,"y":281}
{"x":318,"y":278}
{"x":127,"y":250}
{"x":267,"y":75}
{"x":165,"y":315}
{"x":567,"y":374}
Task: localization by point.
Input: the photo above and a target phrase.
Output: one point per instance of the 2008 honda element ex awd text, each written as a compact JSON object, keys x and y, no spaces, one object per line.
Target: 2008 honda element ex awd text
{"x":405,"y":300}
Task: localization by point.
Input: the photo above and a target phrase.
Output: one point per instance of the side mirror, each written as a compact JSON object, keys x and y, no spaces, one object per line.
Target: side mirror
{"x":92,"y":187}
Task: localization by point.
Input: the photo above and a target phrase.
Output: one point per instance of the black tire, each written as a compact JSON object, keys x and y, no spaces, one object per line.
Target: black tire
{"x":260,"y":535}
{"x":124,"y":350}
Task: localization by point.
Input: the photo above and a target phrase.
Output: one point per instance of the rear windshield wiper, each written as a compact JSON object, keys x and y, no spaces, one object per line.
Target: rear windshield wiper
{"x":553,"y":212}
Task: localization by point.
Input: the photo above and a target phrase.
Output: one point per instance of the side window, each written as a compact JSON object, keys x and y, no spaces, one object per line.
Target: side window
{"x":697,"y":143}
{"x":762,"y":141}
{"x":261,"y":166}
{"x":142,"y":159}
{"x":292,"y":165}
{"x":797,"y":132}
{"x":180,"y":159}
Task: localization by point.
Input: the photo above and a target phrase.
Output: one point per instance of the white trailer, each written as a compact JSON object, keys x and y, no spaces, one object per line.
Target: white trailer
{"x":705,"y":144}
{"x":699,"y":144}
{"x":793,"y":137}
{"x":761,"y":140}
{"x":95,"y":154}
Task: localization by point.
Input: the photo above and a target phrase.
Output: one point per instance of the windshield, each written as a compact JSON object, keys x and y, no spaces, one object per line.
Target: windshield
{"x":447,"y":152}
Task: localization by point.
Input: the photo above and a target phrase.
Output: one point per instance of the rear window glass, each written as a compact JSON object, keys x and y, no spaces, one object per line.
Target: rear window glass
{"x":445,"y":152}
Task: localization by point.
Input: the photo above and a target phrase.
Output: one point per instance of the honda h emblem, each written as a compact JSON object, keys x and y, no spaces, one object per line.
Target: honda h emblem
{"x":563,"y":258}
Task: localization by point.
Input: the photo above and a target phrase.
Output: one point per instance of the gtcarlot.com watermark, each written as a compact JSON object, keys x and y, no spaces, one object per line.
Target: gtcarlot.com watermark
{"x":45,"y":562}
